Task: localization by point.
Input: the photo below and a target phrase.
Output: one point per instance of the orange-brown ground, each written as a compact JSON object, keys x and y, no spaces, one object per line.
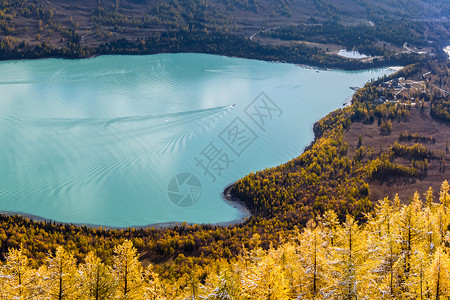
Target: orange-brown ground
{"x":420,"y":123}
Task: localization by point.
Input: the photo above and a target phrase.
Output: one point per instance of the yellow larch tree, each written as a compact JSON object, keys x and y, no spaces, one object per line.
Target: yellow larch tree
{"x":154,"y":287}
{"x":438,"y":275}
{"x":62,"y":280}
{"x":128,"y":272}
{"x":416,"y":285}
{"x":444,"y":197}
{"x":429,"y":197}
{"x":381,"y":242}
{"x":441,"y":219}
{"x":97,"y":282}
{"x":410,"y":234}
{"x":262,"y":276}
{"x":17,"y":279}
{"x":223,"y":282}
{"x":350,"y":262}
{"x":311,"y":273}
{"x":329,"y":223}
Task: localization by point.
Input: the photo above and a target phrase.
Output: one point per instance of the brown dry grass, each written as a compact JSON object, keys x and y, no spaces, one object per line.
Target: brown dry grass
{"x":420,"y":123}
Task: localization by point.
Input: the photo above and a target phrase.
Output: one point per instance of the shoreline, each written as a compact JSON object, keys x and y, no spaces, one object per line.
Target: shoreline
{"x":312,"y":66}
{"x":226,"y":196}
{"x":274,"y":61}
{"x":238,"y":204}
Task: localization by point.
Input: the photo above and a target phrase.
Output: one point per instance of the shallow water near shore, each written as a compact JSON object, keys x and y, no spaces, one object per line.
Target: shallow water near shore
{"x":134,"y":140}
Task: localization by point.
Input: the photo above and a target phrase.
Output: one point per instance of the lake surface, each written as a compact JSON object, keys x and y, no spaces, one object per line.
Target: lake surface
{"x":136,"y":140}
{"x":351,"y":54}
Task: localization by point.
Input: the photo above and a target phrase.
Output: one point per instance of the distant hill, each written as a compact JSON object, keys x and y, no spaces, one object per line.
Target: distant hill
{"x":296,"y":31}
{"x":100,"y":21}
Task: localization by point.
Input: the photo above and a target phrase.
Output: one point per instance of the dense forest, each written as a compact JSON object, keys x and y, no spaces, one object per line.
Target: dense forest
{"x":400,"y":252}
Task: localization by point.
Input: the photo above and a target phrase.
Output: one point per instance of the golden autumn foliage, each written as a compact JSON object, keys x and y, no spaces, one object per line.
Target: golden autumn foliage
{"x":347,"y":247}
{"x":401,"y":252}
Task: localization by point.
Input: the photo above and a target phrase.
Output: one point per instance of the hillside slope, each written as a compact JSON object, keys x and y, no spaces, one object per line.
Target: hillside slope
{"x":99,"y":21}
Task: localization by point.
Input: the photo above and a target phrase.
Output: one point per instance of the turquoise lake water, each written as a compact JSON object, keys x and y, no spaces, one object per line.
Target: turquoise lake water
{"x":137,"y":140}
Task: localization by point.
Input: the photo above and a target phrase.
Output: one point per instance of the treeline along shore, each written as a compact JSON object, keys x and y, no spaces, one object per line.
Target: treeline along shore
{"x":200,"y":42}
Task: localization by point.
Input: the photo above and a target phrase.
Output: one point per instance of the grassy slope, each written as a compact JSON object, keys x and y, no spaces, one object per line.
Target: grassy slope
{"x":419,"y":122}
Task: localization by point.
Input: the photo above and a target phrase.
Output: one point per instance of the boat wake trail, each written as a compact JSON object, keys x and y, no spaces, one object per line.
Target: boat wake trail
{"x":206,"y":111}
{"x":107,"y":122}
{"x":83,"y":153}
